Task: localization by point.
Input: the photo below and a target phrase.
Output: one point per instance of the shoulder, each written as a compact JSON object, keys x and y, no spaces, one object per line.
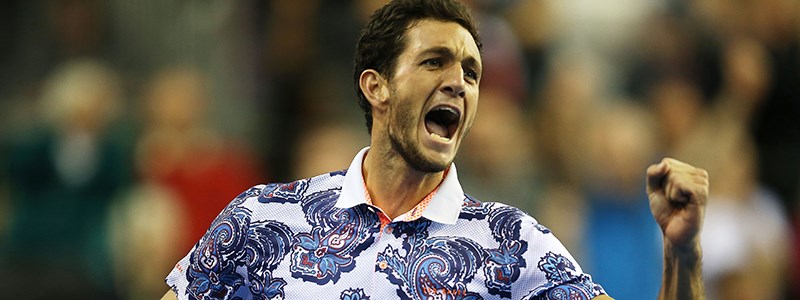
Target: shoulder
{"x":505,"y":224}
{"x":253,"y":234}
{"x":295,"y":191}
{"x":274,"y":203}
{"x":522,"y":251}
{"x":496,"y":212}
{"x":544,"y":267}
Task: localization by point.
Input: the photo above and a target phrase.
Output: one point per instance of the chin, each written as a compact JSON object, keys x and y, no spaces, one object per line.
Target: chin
{"x":422,"y":159}
{"x":427,"y":160}
{"x":435,"y":163}
{"x":431,"y":167}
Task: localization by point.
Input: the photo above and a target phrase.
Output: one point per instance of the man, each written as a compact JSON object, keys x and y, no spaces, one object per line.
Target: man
{"x":396,"y":224}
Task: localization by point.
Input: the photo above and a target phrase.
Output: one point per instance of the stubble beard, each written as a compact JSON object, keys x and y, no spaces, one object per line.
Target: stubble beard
{"x":410,"y":152}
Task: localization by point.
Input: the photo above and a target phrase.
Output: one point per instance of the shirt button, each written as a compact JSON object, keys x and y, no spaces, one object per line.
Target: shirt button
{"x":389,"y":229}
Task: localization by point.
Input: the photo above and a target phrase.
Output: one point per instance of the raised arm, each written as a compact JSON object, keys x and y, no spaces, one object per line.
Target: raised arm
{"x":678,"y":194}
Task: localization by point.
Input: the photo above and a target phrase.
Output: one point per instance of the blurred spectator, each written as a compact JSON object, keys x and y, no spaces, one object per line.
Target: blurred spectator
{"x":48,"y":33}
{"x":567,"y":101}
{"x":502,"y":56}
{"x":560,"y":118}
{"x":746,"y":232}
{"x":745,"y":235}
{"x":673,"y":49}
{"x":327,"y":146}
{"x":291,"y":59}
{"x":776,"y":25}
{"x":63,"y":176}
{"x":606,"y":32}
{"x":679,"y":109}
{"x":776,"y":128}
{"x":180,"y":151}
{"x":622,"y":243}
{"x":533,"y":22}
{"x":146,"y":225}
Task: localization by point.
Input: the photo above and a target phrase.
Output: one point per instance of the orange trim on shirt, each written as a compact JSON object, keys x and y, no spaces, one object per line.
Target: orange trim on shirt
{"x":412,"y":215}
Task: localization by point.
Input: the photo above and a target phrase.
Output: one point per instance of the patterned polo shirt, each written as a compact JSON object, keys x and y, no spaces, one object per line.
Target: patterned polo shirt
{"x":318,"y":238}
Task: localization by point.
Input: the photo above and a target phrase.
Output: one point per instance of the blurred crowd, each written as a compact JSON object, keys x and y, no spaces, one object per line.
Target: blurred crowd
{"x":126,"y":126}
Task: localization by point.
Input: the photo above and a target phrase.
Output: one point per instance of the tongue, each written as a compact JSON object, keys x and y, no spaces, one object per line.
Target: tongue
{"x":436,"y":129}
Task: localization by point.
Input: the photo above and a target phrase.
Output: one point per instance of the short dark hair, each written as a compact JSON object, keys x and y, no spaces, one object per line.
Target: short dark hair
{"x":383,"y":38}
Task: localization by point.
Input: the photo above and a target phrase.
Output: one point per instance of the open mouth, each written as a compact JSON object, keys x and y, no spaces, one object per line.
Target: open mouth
{"x":442,"y":121}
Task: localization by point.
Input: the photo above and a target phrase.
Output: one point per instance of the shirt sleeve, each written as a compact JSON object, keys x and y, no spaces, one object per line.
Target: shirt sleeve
{"x":215,"y":268}
{"x":551,"y":272}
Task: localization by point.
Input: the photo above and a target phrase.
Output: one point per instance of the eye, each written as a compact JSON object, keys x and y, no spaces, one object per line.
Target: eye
{"x":432,"y":62}
{"x":470,"y":73}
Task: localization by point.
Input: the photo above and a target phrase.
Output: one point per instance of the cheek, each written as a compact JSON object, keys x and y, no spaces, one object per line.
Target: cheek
{"x":472,"y":109}
{"x":473,"y":96}
{"x":403,"y":116}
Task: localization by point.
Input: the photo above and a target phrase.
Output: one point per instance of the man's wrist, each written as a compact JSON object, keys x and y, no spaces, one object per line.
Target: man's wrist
{"x":682,"y":278}
{"x":689,"y":255}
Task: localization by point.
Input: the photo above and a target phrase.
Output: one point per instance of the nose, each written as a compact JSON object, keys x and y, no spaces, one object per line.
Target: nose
{"x":453,"y":83}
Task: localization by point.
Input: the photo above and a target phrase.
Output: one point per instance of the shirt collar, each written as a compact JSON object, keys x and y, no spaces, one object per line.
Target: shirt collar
{"x":443,"y":208}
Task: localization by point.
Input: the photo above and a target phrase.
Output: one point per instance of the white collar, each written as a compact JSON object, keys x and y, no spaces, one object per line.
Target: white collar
{"x":443,"y":208}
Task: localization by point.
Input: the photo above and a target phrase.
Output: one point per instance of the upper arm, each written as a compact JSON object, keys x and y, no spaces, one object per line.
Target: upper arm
{"x":602,"y":297}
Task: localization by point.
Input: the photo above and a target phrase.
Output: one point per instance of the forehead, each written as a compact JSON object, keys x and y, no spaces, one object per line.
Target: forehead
{"x":429,"y":33}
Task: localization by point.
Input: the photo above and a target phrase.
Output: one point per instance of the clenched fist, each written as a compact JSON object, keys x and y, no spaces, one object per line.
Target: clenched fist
{"x":678,"y":194}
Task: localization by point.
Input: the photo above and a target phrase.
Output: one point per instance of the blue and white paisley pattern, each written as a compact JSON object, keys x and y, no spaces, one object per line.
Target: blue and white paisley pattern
{"x":215,"y":266}
{"x":284,"y":192}
{"x":354,"y":294}
{"x":212,"y":273}
{"x":565,"y":292}
{"x":338,"y":173}
{"x":312,"y":250}
{"x":473,"y":209}
{"x":564,"y":282}
{"x":542,"y":228}
{"x":433,"y":268}
{"x":337,"y":236}
{"x":268,"y":242}
{"x":320,"y":210}
{"x":416,"y":231}
{"x":557,"y":267}
{"x":505,"y":222}
{"x":502,"y":265}
{"x":581,"y":288}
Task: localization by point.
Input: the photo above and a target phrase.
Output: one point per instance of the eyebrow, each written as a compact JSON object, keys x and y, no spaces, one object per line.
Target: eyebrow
{"x":444,"y":51}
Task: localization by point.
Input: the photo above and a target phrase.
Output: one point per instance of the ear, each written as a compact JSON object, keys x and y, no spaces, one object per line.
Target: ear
{"x":375,"y":88}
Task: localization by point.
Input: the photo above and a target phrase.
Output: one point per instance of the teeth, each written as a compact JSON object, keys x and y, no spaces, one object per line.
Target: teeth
{"x":440,"y":121}
{"x":447,"y":108}
{"x":439,"y":137}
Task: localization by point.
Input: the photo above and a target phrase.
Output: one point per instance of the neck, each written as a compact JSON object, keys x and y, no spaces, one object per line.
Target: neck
{"x":393,"y":185}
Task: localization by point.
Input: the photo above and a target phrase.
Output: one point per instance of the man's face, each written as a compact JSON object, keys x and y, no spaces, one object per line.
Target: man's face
{"x":433,"y":94}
